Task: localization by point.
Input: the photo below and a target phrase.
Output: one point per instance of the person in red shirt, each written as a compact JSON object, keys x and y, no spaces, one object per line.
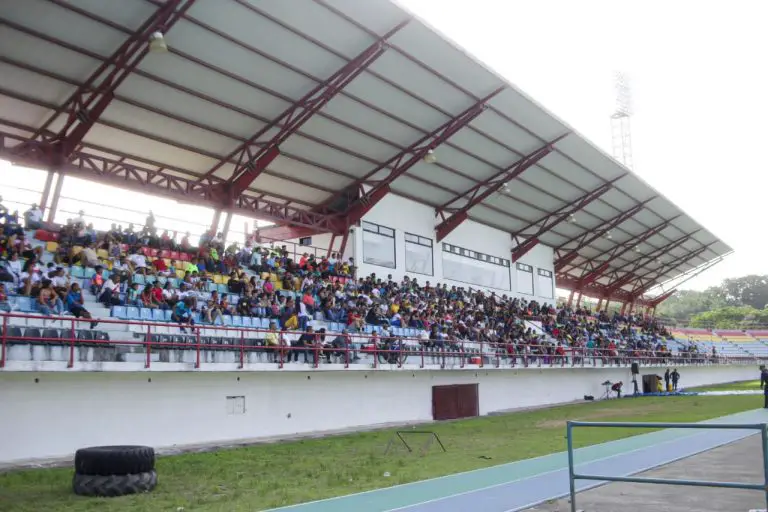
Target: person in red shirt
{"x":157,"y":293}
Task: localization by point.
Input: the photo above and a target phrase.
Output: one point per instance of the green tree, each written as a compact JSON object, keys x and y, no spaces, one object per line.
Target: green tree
{"x":729,"y":317}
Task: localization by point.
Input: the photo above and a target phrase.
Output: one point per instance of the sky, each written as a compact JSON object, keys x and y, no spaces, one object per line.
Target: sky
{"x":699,"y":83}
{"x":698,"y":80}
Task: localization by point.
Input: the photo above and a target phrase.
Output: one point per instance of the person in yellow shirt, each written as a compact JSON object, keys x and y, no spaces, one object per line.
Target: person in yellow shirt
{"x":272,"y":341}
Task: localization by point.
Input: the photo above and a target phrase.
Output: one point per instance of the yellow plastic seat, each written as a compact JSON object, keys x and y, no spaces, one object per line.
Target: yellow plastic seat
{"x":52,"y":246}
{"x":217,"y":278}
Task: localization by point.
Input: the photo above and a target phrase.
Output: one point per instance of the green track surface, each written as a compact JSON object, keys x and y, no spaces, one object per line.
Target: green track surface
{"x":268,"y":476}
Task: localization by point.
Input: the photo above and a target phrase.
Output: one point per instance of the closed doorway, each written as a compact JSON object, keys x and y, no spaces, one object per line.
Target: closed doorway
{"x":456,"y":401}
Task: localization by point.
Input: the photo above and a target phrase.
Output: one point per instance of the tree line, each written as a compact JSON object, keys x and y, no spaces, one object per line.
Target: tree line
{"x":737,"y":303}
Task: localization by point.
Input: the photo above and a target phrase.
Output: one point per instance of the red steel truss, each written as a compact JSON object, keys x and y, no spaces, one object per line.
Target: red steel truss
{"x":396,"y":166}
{"x":550,"y":221}
{"x":645,"y":285}
{"x":86,"y":105}
{"x":618,"y":251}
{"x":592,"y":235}
{"x":491,"y":185}
{"x":255,"y":154}
{"x":161,"y":182}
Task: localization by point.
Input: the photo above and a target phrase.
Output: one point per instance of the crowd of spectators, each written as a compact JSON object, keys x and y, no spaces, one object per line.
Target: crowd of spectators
{"x":321,"y":288}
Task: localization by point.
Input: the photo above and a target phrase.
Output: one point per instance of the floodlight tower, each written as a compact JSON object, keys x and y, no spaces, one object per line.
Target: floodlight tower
{"x":620,"y":133}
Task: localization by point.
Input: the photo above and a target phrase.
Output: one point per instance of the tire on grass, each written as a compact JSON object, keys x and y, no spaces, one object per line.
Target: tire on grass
{"x":113,"y":485}
{"x":114,"y":460}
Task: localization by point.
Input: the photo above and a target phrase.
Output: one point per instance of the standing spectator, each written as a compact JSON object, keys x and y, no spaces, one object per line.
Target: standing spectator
{"x":675,"y":379}
{"x":33,"y":218}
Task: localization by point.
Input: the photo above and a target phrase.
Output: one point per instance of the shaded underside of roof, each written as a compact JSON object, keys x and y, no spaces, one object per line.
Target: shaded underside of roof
{"x":236,"y":65}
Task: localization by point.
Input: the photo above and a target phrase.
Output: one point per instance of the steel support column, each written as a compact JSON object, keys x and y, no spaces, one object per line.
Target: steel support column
{"x":490,"y":186}
{"x":623,"y":308}
{"x":599,"y":304}
{"x":343,"y":247}
{"x":86,"y":105}
{"x":227,"y":222}
{"x":330,"y":245}
{"x":578,"y":299}
{"x":607,"y":303}
{"x":570,"y":298}
{"x":254,"y":155}
{"x":46,"y":191}
{"x":55,"y":198}
{"x":550,"y":221}
{"x":215,"y":222}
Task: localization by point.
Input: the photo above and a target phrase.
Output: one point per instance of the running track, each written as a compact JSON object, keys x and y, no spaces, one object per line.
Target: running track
{"x":524,"y":484}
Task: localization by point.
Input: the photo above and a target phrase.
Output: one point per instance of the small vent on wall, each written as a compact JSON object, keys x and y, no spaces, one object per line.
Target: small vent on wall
{"x":235,"y":405}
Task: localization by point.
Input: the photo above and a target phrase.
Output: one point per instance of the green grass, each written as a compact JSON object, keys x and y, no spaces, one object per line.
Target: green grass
{"x":266,"y":476}
{"x":747,"y":385}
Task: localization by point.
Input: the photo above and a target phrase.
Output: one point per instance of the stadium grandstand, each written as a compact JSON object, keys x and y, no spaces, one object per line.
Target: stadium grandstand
{"x":341,"y":188}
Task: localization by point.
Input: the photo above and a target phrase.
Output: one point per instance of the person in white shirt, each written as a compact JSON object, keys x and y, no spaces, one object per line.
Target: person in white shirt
{"x":14,"y":266}
{"x":139,"y":262}
{"x":33,"y":217}
{"x":110,"y":292}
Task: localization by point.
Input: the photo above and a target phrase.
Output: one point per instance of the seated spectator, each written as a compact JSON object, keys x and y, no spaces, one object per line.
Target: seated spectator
{"x":182,"y":314}
{"x":132,"y":295}
{"x":139,"y":263}
{"x":110,"y":291}
{"x":87,"y":257}
{"x":75,"y":304}
{"x":148,"y":299}
{"x":4,"y":305}
{"x":48,"y":301}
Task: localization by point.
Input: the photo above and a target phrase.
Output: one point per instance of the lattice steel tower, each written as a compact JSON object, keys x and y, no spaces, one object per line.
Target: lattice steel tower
{"x":620,"y":132}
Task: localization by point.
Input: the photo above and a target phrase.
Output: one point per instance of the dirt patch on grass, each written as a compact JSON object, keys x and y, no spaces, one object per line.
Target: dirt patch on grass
{"x":602,"y":414}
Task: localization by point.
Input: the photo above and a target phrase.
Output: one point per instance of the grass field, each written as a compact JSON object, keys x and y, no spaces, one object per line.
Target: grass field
{"x":747,"y":385}
{"x":266,"y":476}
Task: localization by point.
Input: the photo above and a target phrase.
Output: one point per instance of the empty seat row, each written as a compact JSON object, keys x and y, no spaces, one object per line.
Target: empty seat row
{"x":51,"y":336}
{"x":164,"y":315}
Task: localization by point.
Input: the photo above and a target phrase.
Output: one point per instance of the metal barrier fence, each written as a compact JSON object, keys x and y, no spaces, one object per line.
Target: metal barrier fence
{"x":573,"y":476}
{"x":390,"y":351}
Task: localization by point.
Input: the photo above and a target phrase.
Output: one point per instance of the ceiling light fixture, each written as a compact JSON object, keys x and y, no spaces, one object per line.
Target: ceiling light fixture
{"x":430,"y":157}
{"x":157,"y":43}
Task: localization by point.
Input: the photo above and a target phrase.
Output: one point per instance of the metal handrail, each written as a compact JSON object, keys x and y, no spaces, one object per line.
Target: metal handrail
{"x":573,"y":476}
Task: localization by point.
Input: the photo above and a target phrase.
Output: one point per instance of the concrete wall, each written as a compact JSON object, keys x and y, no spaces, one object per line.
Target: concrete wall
{"x":52,"y":414}
{"x":406,"y":216}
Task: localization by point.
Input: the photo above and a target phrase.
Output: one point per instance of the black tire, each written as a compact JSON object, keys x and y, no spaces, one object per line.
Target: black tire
{"x":114,"y":460}
{"x":113,"y":485}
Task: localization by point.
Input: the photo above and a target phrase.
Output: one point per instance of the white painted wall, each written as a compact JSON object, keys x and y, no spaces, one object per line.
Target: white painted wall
{"x":48,"y":415}
{"x":407,"y":216}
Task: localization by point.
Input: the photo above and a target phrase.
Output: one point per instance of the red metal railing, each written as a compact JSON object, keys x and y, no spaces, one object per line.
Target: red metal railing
{"x":385,"y":351}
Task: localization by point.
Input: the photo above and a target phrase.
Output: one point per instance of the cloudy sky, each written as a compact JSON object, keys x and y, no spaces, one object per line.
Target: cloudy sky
{"x":699,"y":80}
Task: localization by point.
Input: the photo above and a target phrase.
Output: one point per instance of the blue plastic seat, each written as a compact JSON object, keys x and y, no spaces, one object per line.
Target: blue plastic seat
{"x":133,"y":313}
{"x":246,"y":321}
{"x":227,"y":319}
{"x":25,"y":304}
{"x":88,"y":272}
{"x":167,"y":315}
{"x":145,"y":313}
{"x":158,"y":315}
{"x":119,"y":312}
{"x":237,"y":321}
{"x":139,"y":278}
{"x":77,"y":272}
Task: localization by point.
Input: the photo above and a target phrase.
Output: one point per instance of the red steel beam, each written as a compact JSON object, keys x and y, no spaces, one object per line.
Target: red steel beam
{"x":400,"y":163}
{"x":254,"y":155}
{"x":86,"y":105}
{"x":160,"y":182}
{"x":556,"y":218}
{"x":645,"y":259}
{"x":491,"y":186}
{"x":395,"y":166}
{"x":665,"y":267}
{"x":624,"y":248}
{"x":587,"y":238}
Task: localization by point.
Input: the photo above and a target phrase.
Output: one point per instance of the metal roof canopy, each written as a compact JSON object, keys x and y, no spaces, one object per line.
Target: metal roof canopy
{"x":284,"y":110}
